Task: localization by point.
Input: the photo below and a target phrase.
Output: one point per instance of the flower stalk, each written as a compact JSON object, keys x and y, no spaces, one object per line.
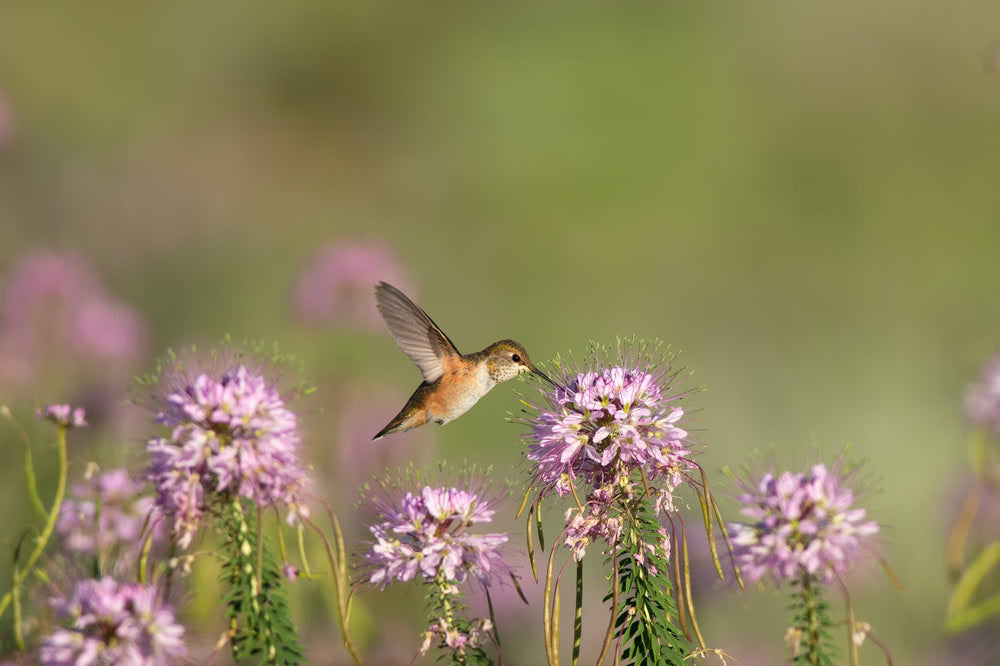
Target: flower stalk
{"x":53,"y":514}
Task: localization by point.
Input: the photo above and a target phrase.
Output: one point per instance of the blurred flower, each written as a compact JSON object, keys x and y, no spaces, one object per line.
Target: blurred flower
{"x":107,"y":329}
{"x":356,"y":416}
{"x":800,"y":523}
{"x":336,"y":286}
{"x":607,"y":420}
{"x":115,"y":624}
{"x":56,"y":299}
{"x":290,"y":572}
{"x":122,"y":513}
{"x":232,"y":435}
{"x":63,"y":415}
{"x":458,"y":640}
{"x":426,"y":532}
{"x":982,"y":402}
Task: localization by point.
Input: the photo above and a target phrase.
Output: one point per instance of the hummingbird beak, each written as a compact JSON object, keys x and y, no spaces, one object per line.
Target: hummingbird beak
{"x":544,"y":377}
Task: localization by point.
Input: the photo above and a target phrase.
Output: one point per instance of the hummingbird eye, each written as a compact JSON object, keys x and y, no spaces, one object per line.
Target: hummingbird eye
{"x":516,"y":358}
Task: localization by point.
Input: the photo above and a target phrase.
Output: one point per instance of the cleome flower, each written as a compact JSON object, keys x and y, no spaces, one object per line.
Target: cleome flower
{"x":232,"y":435}
{"x":608,"y":419}
{"x":115,"y":624}
{"x":63,"y":416}
{"x":106,"y":510}
{"x":799,"y":523}
{"x":426,"y":533}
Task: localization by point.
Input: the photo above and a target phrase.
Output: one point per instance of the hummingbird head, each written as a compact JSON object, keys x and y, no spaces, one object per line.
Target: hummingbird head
{"x":508,"y":359}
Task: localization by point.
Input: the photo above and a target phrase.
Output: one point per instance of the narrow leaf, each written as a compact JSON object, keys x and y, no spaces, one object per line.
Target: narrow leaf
{"x":538,"y":524}
{"x":531,"y":546}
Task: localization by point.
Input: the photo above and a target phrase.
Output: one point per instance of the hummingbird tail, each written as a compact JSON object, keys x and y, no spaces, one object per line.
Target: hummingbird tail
{"x":407,"y":419}
{"x":385,"y":431}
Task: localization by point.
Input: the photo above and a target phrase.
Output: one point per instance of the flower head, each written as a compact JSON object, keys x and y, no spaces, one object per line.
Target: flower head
{"x":609,"y":418}
{"x":982,"y":402}
{"x":63,"y":416}
{"x":426,"y":532}
{"x":799,"y":523}
{"x":115,"y":624}
{"x":106,"y":510}
{"x":231,"y":435}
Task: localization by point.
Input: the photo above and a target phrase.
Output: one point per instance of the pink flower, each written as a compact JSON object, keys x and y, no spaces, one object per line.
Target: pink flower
{"x":63,"y":415}
{"x":336,"y":286}
{"x":427,"y":532}
{"x":800,"y":523}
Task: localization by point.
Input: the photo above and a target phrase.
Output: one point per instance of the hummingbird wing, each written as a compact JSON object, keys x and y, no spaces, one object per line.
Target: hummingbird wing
{"x":415,"y":332}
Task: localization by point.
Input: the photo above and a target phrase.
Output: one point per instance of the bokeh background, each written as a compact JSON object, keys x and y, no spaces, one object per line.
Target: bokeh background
{"x":802,"y":197}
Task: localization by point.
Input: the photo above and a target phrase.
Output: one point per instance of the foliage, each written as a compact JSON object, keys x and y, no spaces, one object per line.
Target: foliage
{"x":260,"y":620}
{"x":645,"y":631}
{"x":810,"y":635}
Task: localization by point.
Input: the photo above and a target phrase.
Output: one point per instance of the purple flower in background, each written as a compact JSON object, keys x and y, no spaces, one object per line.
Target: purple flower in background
{"x":336,"y":286}
{"x":106,"y":329}
{"x":123,"y":513}
{"x":982,"y":402}
{"x":115,"y":624}
{"x":608,"y":419}
{"x":355,"y":416}
{"x":426,"y":533}
{"x":800,"y":523}
{"x":231,"y":435}
{"x":56,"y":301}
{"x":63,"y":415}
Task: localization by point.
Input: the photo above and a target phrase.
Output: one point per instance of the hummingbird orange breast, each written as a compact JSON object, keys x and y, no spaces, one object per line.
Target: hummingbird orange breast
{"x":461,"y":386}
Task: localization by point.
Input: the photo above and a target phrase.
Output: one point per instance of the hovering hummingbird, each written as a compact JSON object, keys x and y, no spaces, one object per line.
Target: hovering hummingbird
{"x":453,"y":382}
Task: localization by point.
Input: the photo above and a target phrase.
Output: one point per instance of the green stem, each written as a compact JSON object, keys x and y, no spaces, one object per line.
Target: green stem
{"x":18,"y":631}
{"x":340,"y":583}
{"x":302,"y":552}
{"x":144,"y":556}
{"x":29,"y":475}
{"x":50,"y":522}
{"x":813,"y":624}
{"x":441,"y":586}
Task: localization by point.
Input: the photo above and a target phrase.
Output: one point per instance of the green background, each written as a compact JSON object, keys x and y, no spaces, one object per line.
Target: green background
{"x":802,"y":197}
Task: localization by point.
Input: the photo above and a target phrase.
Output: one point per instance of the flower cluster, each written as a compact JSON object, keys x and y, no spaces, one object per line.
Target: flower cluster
{"x":115,"y":624}
{"x":106,"y":510}
{"x":594,"y":521}
{"x":615,"y":426}
{"x":801,"y":523}
{"x":231,"y":434}
{"x":605,"y":422}
{"x":458,"y":640}
{"x":63,"y":416}
{"x":427,"y":533}
{"x":982,"y":402}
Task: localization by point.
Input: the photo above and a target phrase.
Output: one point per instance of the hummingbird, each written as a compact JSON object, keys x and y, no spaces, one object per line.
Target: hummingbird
{"x":453,"y":382}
